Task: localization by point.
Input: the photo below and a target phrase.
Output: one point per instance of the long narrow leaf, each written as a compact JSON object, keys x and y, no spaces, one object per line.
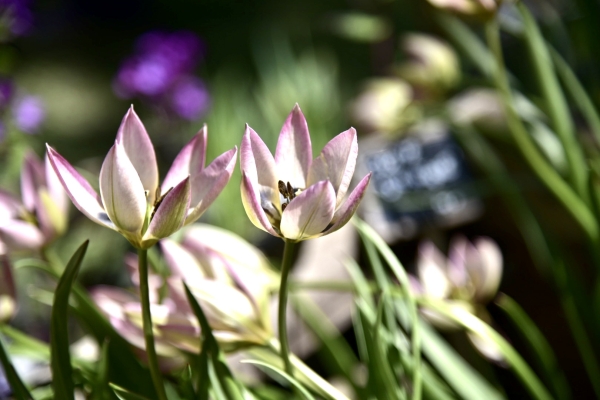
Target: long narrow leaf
{"x":124,"y":394}
{"x":18,"y":387}
{"x":538,"y":344}
{"x":291,"y":380}
{"x":209,"y":342}
{"x":60,"y":359}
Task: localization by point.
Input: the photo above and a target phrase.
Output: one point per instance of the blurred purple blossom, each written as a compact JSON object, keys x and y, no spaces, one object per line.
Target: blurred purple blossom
{"x":160,"y":71}
{"x":190,"y":98}
{"x":17,"y":16}
{"x":6,"y":92}
{"x":29,"y":113}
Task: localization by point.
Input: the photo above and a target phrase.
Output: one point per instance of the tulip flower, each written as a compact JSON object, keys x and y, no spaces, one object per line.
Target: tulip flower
{"x":230,"y":278}
{"x":42,"y":214}
{"x":293,"y":196}
{"x":131,"y":201}
{"x":468,"y":279}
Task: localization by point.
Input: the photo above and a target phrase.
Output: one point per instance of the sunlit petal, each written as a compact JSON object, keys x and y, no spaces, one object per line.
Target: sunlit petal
{"x":309,"y":213}
{"x":122,"y":191}
{"x":189,"y":161}
{"x":349,"y":207}
{"x":336,"y":163}
{"x":207,"y":185}
{"x":133,"y":137}
{"x":431,"y":268}
{"x":32,"y":178}
{"x":258,"y":164}
{"x":81,"y":193}
{"x":171,"y":213}
{"x":180,"y":261}
{"x":489,"y":273}
{"x":55,"y":188}
{"x":294,"y":152}
{"x":20,"y":235}
{"x":251,"y":201}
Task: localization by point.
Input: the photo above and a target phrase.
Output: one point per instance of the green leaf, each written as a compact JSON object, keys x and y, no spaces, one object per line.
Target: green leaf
{"x":480,"y":328}
{"x":538,"y":344}
{"x":124,"y":394}
{"x":60,"y":359}
{"x":124,"y":368}
{"x":224,"y":378}
{"x":294,"y":382}
{"x":18,"y":387}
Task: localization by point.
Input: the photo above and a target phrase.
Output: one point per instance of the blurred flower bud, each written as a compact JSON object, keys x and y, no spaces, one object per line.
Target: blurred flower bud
{"x":467,"y":279}
{"x":28,"y":113}
{"x":42,"y":215}
{"x":432,"y":65}
{"x":385,"y":105}
{"x":480,"y":9}
{"x":8,"y":298}
{"x":480,"y":108}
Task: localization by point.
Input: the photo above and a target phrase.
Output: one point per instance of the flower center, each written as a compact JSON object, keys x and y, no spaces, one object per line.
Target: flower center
{"x":288,"y":192}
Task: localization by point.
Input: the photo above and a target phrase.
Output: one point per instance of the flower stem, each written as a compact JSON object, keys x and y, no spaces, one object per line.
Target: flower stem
{"x":286,"y":265}
{"x":147,"y":322}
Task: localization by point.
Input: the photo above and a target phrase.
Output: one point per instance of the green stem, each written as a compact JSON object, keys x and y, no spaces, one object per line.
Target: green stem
{"x":286,"y":266}
{"x":147,"y":323}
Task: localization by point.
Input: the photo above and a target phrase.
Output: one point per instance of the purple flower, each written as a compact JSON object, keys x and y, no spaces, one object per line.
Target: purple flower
{"x":17,"y":15}
{"x":160,"y":71}
{"x":6,"y":92}
{"x":29,"y":113}
{"x":189,"y":98}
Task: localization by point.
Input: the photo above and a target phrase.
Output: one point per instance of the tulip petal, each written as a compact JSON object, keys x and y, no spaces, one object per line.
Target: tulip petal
{"x":207,"y":185}
{"x":9,"y":206}
{"x":349,"y":207}
{"x":32,"y":178}
{"x":55,"y":188}
{"x":431,"y":268}
{"x":336,"y":163}
{"x":122,"y":191}
{"x":189,"y":161}
{"x":253,"y":204}
{"x":258,"y":164}
{"x":489,"y":273}
{"x":181,"y":262}
{"x":133,"y":137}
{"x":171,"y":212}
{"x":309,"y":213}
{"x":20,"y":235}
{"x":294,"y":152}
{"x":81,"y":193}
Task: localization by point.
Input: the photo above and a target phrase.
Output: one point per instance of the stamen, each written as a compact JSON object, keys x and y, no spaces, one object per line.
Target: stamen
{"x":159,"y":201}
{"x":290,"y":191}
{"x":283,"y":189}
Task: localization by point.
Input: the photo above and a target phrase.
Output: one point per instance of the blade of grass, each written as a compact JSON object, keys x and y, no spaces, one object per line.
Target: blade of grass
{"x":60,"y":358}
{"x":279,"y":371}
{"x":546,"y":173}
{"x":478,"y":327}
{"x":578,"y":93}
{"x":556,"y":104}
{"x":368,"y":234}
{"x":19,"y":390}
{"x":224,"y":377}
{"x":538,"y":344}
{"x":124,"y":394}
